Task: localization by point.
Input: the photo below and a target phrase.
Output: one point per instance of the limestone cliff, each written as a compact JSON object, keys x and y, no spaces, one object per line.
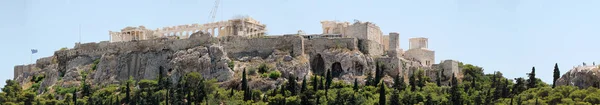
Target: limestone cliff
{"x":222,"y":59}
{"x":581,"y":76}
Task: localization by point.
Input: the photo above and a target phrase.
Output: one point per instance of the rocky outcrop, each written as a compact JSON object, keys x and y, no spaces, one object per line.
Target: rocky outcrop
{"x":581,"y":76}
{"x":211,"y":62}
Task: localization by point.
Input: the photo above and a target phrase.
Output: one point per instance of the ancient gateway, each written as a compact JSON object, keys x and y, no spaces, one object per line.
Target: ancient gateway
{"x":244,"y":26}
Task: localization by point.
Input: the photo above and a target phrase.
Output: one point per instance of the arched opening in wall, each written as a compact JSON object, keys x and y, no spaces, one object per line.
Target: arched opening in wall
{"x":359,"y":68}
{"x":336,"y":69}
{"x":317,"y":65}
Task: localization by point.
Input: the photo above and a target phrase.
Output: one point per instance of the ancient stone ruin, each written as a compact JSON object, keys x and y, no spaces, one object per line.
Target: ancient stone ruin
{"x":351,"y":51}
{"x":244,"y":26}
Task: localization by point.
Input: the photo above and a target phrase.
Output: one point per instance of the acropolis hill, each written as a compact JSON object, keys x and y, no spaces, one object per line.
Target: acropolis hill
{"x":222,"y":50}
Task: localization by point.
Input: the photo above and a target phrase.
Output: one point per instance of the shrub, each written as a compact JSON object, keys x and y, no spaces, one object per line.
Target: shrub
{"x":263,"y":68}
{"x":64,"y":48}
{"x":95,"y":63}
{"x":252,"y":71}
{"x":231,"y":65}
{"x":274,"y":74}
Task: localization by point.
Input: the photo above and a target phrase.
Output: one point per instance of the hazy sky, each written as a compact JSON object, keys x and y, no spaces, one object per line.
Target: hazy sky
{"x":509,"y":36}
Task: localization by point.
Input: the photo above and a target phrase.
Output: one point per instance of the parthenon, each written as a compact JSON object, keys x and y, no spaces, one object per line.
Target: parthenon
{"x":244,"y":26}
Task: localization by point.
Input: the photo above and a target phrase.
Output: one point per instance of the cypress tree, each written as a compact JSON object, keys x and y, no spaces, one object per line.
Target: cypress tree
{"x":247,"y":93}
{"x":377,"y":74}
{"x":399,"y":83}
{"x":532,"y":80}
{"x":75,"y":97}
{"x":556,"y":75}
{"x":231,"y":93}
{"x":455,"y":95}
{"x":322,"y":83}
{"x":328,"y":80}
{"x":505,"y":89}
{"x":244,"y":80}
{"x":369,"y":79}
{"x":382,"y":94}
{"x":315,"y":83}
{"x":412,"y":82}
{"x":355,"y":85}
{"x":394,"y":99}
{"x":291,"y":85}
{"x":303,"y":89}
{"x":127,"y":93}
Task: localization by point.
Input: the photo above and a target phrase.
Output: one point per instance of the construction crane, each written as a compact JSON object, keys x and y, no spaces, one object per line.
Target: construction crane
{"x":213,"y":12}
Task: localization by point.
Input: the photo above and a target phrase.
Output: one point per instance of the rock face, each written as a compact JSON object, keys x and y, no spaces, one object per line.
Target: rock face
{"x":211,"y":62}
{"x":222,"y":59}
{"x":581,"y":76}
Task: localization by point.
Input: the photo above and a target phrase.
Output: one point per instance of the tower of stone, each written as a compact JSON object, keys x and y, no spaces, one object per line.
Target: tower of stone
{"x":418,"y":43}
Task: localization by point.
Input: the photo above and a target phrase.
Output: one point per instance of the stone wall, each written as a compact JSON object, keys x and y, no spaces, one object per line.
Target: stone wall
{"x":21,"y":72}
{"x":424,"y":56}
{"x":370,"y":47}
{"x":317,"y":45}
{"x":83,"y":54}
{"x":238,"y":47}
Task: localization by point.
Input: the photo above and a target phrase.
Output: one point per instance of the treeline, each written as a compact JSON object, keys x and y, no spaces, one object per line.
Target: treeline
{"x":475,"y":88}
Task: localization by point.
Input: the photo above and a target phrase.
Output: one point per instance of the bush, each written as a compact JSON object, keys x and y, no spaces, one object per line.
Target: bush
{"x":252,"y":71}
{"x":263,"y":68}
{"x":231,"y":65}
{"x":274,"y":74}
{"x":95,"y":63}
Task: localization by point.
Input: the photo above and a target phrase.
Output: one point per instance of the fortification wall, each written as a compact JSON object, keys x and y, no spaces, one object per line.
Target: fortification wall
{"x":96,"y":50}
{"x":370,"y":47}
{"x":21,"y":72}
{"x":238,"y":47}
{"x":356,"y":30}
{"x":424,"y":56}
{"x":317,"y":45}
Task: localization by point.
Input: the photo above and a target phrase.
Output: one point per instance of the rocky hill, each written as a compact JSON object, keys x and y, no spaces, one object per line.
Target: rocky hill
{"x":581,"y":76}
{"x":267,"y":61}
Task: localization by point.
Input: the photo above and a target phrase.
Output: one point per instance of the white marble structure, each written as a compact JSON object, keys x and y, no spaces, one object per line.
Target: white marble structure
{"x":245,"y":26}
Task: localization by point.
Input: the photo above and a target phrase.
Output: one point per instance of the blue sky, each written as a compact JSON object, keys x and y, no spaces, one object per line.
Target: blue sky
{"x":509,"y":36}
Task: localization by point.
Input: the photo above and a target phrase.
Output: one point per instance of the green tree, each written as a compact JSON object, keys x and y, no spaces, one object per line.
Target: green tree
{"x":412,"y":82}
{"x":328,"y":79}
{"x":315,"y":83}
{"x":395,"y":98}
{"x":399,"y":83}
{"x":455,"y":92}
{"x":29,"y":98}
{"x":382,"y":94}
{"x":247,"y":93}
{"x":74,"y":97}
{"x":369,"y":79}
{"x":127,"y":93}
{"x":556,"y":75}
{"x":303,"y":89}
{"x":519,"y":86}
{"x":355,"y":87}
{"x":292,"y":84}
{"x":531,"y":82}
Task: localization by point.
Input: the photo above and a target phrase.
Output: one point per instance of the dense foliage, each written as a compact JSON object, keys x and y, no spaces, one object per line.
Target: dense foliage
{"x":192,"y":89}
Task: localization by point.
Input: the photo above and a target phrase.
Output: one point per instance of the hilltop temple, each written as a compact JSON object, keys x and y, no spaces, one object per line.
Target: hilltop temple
{"x":244,"y":26}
